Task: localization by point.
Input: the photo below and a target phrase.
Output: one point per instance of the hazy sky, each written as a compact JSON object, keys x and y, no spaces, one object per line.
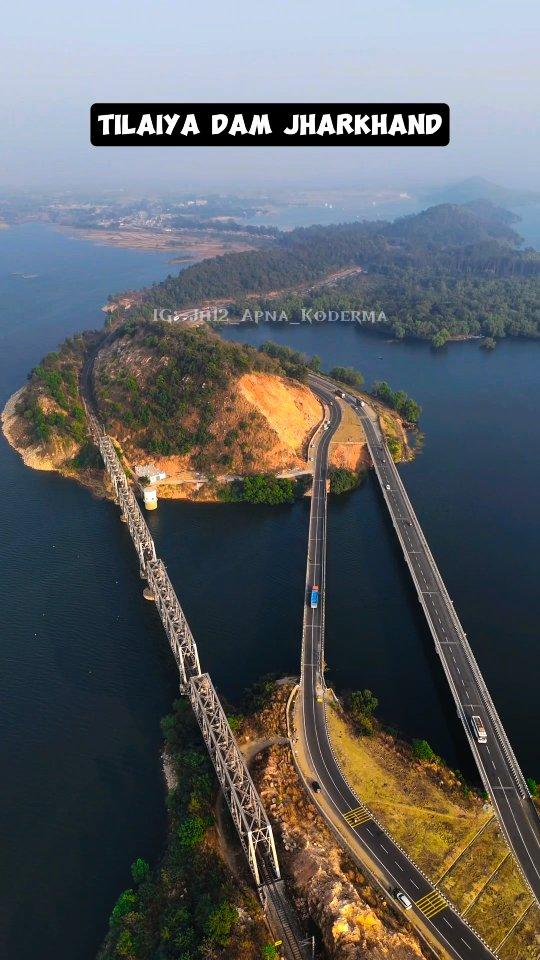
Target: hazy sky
{"x":58,"y":57}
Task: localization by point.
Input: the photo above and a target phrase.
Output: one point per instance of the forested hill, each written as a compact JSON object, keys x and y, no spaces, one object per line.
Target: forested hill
{"x":475,"y":238}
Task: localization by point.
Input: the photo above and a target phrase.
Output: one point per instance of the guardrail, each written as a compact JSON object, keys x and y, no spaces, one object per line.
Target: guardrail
{"x":500,"y":733}
{"x":518,"y":776}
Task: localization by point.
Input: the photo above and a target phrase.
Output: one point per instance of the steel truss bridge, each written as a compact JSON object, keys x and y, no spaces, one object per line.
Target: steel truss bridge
{"x":245,"y":805}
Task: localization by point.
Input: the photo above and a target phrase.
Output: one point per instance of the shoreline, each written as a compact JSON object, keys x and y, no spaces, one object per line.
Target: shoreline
{"x":188,"y":247}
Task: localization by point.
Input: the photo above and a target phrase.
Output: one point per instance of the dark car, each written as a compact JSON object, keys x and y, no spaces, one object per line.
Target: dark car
{"x":315,"y":786}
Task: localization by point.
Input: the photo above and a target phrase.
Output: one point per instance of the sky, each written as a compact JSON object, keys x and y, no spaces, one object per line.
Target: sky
{"x":58,"y":58}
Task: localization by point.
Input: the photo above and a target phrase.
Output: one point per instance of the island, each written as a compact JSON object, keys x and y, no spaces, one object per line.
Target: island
{"x":193,"y":416}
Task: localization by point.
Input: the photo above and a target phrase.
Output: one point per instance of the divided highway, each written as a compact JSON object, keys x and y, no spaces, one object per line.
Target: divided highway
{"x":362,"y":836}
{"x":497,"y":765}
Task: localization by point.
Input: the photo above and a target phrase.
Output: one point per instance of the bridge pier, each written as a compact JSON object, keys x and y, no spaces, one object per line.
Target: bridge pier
{"x":247,"y":812}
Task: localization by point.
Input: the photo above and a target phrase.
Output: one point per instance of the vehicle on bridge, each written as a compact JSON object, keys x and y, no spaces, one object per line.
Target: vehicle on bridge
{"x":315,"y":596}
{"x":478,"y":729}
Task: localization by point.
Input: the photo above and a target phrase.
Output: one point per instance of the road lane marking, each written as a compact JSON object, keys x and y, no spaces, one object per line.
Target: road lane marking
{"x":344,"y":786}
{"x":431,"y":904}
{"x":357,"y":816}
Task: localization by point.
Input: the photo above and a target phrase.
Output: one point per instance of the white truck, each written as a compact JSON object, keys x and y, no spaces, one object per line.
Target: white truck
{"x":478,"y":729}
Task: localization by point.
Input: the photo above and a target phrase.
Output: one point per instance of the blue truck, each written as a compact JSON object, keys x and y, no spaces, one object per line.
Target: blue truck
{"x":315,"y":596}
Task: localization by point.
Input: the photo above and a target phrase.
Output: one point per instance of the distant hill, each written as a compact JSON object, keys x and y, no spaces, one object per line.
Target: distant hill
{"x":478,"y":188}
{"x":450,"y":271}
{"x":435,"y":237}
{"x":452,"y":225}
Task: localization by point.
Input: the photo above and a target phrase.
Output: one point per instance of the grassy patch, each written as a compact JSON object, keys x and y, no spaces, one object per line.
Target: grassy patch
{"x":395,"y":437}
{"x":500,"y":904}
{"x":466,"y":878}
{"x":432,"y":824}
{"x":523,"y":943}
{"x":425,"y":807}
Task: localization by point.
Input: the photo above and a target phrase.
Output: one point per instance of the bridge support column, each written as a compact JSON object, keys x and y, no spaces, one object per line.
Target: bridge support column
{"x":253,"y":859}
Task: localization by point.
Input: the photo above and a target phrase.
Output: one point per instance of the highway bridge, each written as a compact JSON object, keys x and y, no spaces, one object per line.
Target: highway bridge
{"x":361,"y":835}
{"x":495,"y":759}
{"x":245,"y":805}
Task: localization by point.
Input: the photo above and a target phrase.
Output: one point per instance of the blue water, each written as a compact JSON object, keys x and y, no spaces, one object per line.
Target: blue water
{"x":83,"y":680}
{"x":85,"y":670}
{"x":356,"y":207}
{"x":475,"y":486}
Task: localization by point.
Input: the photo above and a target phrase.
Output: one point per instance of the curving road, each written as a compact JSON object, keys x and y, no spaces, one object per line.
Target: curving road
{"x":362,"y":835}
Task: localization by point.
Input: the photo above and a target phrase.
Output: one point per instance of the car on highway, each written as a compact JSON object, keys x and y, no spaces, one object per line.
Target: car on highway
{"x":403,"y":899}
{"x":478,"y":729}
{"x":314,"y":601}
{"x":388,"y":486}
{"x":315,"y":786}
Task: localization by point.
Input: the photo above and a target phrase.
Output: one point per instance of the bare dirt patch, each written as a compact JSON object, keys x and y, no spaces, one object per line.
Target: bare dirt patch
{"x":348,"y":447}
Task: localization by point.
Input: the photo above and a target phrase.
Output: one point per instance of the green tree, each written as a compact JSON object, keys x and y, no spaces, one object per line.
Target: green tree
{"x":422,"y":750}
{"x":235,"y":722}
{"x":140,"y":870}
{"x":440,"y":338}
{"x":191,"y":832}
{"x":127,"y":903}
{"x":347,"y":375}
{"x":363,"y":702}
{"x":362,"y":705}
{"x":342,"y":480}
{"x":220,"y":923}
{"x":124,"y":944}
{"x":395,"y":448}
{"x":411,"y":410}
{"x":533,"y":786}
{"x":268,"y":489}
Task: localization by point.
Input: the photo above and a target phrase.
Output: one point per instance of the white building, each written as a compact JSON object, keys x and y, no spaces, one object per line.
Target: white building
{"x":149,"y":472}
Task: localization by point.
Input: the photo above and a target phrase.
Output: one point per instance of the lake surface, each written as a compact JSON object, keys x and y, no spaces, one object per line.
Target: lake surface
{"x":86,"y":672}
{"x":84,"y":680}
{"x":475,"y":487}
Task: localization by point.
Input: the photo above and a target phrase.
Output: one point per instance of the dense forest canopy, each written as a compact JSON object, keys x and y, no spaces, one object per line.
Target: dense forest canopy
{"x":448,"y":271}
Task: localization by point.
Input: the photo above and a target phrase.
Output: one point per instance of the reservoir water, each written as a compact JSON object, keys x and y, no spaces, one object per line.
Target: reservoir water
{"x":86,"y":673}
